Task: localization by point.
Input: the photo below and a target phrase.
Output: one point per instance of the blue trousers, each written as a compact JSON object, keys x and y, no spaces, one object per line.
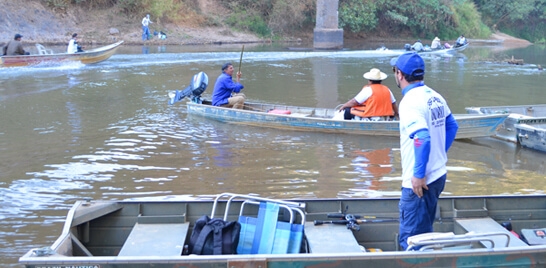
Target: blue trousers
{"x":417,"y":214}
{"x":145,"y":32}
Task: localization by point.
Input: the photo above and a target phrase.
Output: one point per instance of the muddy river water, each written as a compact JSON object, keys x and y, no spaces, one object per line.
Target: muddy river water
{"x":105,"y":131}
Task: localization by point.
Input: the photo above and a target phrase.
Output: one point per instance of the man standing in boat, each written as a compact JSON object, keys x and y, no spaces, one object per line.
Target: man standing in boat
{"x":375,"y":102}
{"x":226,"y":92}
{"x":15,"y":47}
{"x":427,"y":130}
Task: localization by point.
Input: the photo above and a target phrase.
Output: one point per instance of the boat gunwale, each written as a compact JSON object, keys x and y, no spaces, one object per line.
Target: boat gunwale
{"x":479,"y":252}
{"x":288,"y":107}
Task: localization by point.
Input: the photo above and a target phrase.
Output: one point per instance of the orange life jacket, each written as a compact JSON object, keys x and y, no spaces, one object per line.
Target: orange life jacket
{"x":378,"y":104}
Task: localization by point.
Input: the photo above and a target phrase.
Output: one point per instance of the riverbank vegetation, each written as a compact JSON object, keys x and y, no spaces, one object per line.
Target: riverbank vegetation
{"x":274,"y":19}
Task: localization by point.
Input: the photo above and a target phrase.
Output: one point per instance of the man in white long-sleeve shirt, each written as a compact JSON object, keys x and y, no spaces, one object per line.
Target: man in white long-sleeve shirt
{"x":73,"y":46}
{"x":145,"y":31}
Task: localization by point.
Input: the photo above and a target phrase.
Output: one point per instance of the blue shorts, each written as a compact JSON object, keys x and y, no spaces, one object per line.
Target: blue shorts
{"x":417,"y":214}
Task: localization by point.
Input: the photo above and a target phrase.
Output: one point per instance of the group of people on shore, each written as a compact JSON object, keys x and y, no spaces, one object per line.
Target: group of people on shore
{"x":427,"y":130}
{"x":436,"y":44}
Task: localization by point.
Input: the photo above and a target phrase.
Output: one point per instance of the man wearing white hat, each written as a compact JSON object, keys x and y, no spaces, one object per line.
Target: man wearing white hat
{"x":375,"y":102}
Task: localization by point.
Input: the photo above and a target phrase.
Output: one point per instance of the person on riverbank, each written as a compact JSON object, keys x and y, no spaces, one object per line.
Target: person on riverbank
{"x":14,"y":47}
{"x":427,"y":130}
{"x":435,"y":45}
{"x":226,"y":92}
{"x":145,"y":30}
{"x":375,"y":102}
{"x":73,"y":46}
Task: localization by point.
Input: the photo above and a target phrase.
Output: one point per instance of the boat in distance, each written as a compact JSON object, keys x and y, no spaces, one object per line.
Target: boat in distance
{"x":469,"y":232}
{"x":87,"y":57}
{"x":321,"y":120}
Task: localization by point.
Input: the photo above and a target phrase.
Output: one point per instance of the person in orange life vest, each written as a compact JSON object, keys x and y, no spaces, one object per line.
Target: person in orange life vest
{"x":375,"y":102}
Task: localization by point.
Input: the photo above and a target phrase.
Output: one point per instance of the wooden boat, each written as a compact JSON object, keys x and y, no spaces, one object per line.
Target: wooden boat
{"x":471,"y":233}
{"x":517,"y":115}
{"x":87,"y":57}
{"x":321,"y":119}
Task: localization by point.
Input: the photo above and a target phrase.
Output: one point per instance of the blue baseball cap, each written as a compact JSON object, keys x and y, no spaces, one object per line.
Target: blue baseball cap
{"x":410,"y":64}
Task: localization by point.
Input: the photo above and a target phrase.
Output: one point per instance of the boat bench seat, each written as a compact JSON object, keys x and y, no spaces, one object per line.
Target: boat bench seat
{"x":488,"y":225}
{"x":155,"y":239}
{"x":331,"y":238}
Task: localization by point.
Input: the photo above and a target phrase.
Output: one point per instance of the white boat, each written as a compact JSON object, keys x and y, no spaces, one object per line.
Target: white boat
{"x":47,"y":57}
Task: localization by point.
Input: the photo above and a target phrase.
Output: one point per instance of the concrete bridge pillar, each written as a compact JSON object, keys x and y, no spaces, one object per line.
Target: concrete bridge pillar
{"x":326,"y":34}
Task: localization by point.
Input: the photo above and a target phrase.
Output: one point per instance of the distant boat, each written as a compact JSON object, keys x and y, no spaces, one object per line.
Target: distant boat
{"x":321,"y":120}
{"x":445,"y":50}
{"x":87,"y":57}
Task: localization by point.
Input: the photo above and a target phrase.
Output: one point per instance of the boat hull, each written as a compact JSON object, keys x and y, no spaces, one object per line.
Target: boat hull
{"x":87,"y":57}
{"x":516,"y":114}
{"x":320,"y":120}
{"x":95,"y":232}
{"x":532,"y":135}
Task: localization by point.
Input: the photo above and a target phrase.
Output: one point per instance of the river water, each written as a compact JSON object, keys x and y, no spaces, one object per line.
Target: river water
{"x":105,"y":131}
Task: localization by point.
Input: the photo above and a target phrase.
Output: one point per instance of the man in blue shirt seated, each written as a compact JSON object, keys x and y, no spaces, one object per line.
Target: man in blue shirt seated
{"x":226,"y":92}
{"x":461,"y":41}
{"x":418,"y":46}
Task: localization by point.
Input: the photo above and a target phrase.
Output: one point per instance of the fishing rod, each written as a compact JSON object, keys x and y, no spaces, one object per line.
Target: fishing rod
{"x":319,"y":222}
{"x":352,"y":221}
{"x":241,"y":59}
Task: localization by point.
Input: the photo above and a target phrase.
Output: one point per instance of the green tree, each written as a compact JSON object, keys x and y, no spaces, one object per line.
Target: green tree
{"x":357,"y":15}
{"x":500,"y":12}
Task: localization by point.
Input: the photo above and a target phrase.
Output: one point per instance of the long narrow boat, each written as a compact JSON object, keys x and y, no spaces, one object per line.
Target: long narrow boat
{"x":518,"y":115}
{"x":471,"y":232}
{"x":452,"y":49}
{"x":321,"y":119}
{"x":87,"y":57}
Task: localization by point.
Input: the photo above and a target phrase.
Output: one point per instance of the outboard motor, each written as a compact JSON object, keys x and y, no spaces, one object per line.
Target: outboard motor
{"x":407,"y":47}
{"x":197,"y":86}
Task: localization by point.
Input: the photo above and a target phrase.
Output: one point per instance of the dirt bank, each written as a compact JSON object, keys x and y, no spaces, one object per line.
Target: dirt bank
{"x":509,"y":40}
{"x":40,"y":24}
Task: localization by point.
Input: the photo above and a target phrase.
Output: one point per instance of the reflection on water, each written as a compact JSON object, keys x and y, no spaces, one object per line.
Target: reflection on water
{"x":105,"y":131}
